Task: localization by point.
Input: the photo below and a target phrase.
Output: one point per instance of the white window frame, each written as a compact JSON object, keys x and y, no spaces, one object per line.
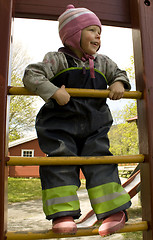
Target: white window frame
{"x":27,"y":150}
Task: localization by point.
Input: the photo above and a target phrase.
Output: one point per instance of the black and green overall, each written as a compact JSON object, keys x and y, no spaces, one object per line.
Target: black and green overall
{"x":78,"y":128}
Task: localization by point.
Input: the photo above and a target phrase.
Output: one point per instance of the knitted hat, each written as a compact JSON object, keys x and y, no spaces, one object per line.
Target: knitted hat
{"x":72,"y":22}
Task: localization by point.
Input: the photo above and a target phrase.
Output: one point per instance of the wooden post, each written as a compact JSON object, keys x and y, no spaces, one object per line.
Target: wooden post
{"x":142,"y":20}
{"x":5,"y":25}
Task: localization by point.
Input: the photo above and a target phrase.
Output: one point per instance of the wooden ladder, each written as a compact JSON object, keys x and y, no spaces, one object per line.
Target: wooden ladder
{"x":138,"y":15}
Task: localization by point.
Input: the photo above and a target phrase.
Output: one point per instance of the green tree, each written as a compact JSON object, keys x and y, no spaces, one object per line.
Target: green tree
{"x":130,"y":70}
{"x":22,"y":108}
{"x":124,"y":137}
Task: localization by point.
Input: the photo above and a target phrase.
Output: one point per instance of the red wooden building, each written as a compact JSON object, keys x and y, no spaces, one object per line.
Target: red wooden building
{"x":26,"y":147}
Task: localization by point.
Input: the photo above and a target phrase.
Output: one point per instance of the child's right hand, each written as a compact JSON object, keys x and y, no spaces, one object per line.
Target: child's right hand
{"x":61,"y":96}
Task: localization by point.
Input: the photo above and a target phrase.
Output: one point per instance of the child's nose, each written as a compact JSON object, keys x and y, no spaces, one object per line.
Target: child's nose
{"x":98,"y":35}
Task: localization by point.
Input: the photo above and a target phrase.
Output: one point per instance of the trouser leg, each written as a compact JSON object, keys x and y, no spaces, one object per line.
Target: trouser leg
{"x":60,"y":183}
{"x":59,"y":191}
{"x":106,"y":194}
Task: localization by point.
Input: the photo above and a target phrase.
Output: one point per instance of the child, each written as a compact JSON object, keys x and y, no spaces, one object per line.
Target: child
{"x":78,"y":126}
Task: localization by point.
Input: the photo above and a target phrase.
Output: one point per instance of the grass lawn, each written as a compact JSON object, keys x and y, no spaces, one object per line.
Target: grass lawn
{"x":23,"y":189}
{"x":133,"y":236}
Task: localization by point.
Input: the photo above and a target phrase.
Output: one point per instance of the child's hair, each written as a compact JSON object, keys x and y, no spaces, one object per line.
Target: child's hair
{"x":71,"y":23}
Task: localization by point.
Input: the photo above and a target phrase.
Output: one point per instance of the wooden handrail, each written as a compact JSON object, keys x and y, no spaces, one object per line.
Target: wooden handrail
{"x":22,"y":161}
{"x":78,"y":92}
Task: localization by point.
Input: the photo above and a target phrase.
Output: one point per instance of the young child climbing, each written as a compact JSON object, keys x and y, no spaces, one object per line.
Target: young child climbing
{"x":71,"y":126}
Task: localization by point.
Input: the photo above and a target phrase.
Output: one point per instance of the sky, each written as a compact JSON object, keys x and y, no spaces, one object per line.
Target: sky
{"x":41,"y":36}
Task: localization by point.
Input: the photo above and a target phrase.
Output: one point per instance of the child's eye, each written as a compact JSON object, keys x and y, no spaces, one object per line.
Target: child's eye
{"x":91,"y":29}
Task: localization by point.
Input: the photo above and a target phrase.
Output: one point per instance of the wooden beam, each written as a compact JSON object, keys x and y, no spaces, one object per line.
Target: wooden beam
{"x":142,"y":19}
{"x":116,"y":12}
{"x":5,"y":29}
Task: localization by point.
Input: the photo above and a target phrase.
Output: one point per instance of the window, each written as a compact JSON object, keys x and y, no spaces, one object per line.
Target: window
{"x":27,"y":153}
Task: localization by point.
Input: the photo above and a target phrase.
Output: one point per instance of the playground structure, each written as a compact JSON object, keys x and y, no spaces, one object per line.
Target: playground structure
{"x":135,"y":14}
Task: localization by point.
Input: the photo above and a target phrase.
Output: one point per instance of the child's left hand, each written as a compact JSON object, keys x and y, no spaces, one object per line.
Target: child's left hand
{"x":116,"y":90}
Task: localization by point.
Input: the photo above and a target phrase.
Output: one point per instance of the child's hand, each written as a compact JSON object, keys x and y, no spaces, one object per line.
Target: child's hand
{"x":61,"y":96}
{"x":116,"y":90}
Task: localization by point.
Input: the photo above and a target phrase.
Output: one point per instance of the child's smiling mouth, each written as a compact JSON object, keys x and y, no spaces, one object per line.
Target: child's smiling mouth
{"x":96,"y":44}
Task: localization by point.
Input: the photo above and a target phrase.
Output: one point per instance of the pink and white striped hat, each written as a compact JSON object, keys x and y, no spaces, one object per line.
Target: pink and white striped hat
{"x":72,"y":21}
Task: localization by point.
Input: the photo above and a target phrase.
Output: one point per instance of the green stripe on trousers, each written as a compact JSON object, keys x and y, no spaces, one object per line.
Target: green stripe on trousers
{"x":107,"y":197}
{"x":60,"y":199}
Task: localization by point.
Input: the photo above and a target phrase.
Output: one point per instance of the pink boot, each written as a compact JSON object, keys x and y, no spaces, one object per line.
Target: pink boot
{"x":64,"y":225}
{"x":112,"y":224}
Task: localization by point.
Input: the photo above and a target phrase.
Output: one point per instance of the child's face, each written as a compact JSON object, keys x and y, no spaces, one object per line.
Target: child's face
{"x":90,"y":39}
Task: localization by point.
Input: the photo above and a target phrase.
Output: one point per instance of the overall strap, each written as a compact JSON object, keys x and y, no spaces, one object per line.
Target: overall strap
{"x":70,"y":60}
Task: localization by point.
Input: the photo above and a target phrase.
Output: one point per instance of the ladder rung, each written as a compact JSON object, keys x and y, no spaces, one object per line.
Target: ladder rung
{"x":75,"y":92}
{"x":29,"y":161}
{"x":140,"y":226}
